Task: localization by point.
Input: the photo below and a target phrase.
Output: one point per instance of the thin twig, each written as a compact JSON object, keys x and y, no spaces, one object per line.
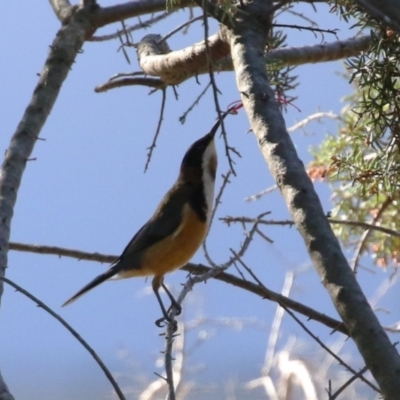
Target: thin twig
{"x":169,"y":340}
{"x":180,"y":27}
{"x":174,"y":371}
{"x":366,"y":225}
{"x":247,"y":220}
{"x":124,"y":44}
{"x":359,"y":224}
{"x":302,"y":16}
{"x":363,"y":239}
{"x":112,"y":84}
{"x":73,"y":332}
{"x":146,"y":24}
{"x":348,"y":382}
{"x":160,"y":119}
{"x":262,"y":193}
{"x":182,"y":118}
{"x":313,"y":117}
{"x":264,"y":236}
{"x":215,"y":89}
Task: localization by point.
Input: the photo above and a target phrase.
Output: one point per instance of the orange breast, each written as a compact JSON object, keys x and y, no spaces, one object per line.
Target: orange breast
{"x":176,"y":250}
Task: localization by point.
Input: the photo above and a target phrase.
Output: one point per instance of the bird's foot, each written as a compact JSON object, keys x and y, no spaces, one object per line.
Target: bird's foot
{"x":164,"y":321}
{"x":177,"y":306}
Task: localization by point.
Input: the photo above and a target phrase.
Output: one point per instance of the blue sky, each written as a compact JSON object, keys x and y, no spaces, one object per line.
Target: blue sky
{"x":86,"y":190}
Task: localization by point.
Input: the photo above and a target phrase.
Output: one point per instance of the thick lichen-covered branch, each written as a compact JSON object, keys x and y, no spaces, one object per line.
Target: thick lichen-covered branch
{"x":177,"y":66}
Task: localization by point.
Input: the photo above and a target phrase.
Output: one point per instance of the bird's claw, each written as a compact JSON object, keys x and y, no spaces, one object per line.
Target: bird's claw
{"x":177,"y":306}
{"x":164,"y":321}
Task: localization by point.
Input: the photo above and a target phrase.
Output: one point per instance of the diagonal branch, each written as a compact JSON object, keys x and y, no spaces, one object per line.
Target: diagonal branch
{"x":365,"y":235}
{"x":73,"y":332}
{"x":319,"y":341}
{"x":195,"y":269}
{"x":117,"y":13}
{"x":62,"y":54}
{"x":248,"y":41}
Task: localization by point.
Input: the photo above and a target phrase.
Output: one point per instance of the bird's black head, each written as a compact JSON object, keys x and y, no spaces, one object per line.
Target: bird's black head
{"x":201,"y":156}
{"x":195,"y":155}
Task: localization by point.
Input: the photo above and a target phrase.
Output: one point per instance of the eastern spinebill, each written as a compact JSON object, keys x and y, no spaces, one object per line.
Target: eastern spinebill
{"x":176,"y":230}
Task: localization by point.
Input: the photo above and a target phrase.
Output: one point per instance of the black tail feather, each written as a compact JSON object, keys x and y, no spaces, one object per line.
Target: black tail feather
{"x":95,"y":282}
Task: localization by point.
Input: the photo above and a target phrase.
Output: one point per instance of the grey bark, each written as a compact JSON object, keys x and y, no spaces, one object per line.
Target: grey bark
{"x":62,"y":54}
{"x":248,"y":41}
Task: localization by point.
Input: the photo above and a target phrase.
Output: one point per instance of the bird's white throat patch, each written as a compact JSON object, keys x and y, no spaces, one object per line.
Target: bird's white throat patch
{"x":209,"y":164}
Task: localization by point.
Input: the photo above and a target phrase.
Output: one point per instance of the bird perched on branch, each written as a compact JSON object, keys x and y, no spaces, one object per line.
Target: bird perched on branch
{"x":176,"y":230}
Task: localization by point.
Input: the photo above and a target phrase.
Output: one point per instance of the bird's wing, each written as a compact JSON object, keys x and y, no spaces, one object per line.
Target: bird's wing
{"x":163,"y":223}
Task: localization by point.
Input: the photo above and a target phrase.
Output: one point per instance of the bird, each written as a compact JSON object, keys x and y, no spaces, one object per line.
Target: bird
{"x":177,"y":228}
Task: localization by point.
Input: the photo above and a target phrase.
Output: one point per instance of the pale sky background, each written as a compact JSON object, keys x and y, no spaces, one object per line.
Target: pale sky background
{"x":87,"y":190}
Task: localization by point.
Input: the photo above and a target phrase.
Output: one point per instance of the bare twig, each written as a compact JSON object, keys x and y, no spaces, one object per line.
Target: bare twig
{"x":116,"y":13}
{"x":112,"y":84}
{"x":264,"y":236}
{"x":215,"y":88}
{"x":366,"y":225}
{"x":262,"y":193}
{"x":125,"y":44}
{"x":247,"y":220}
{"x":73,"y":332}
{"x":169,"y":367}
{"x":359,"y":224}
{"x":316,"y":116}
{"x":182,"y":118}
{"x":363,"y":239}
{"x":160,"y":119}
{"x":180,"y":27}
{"x":307,"y":28}
{"x":145,"y":24}
{"x":347,"y":383}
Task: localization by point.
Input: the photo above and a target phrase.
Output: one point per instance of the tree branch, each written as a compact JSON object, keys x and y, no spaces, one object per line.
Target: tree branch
{"x":248,"y":41}
{"x":62,"y":54}
{"x":73,"y":332}
{"x":141,"y":25}
{"x":107,"y":15}
{"x":177,"y":66}
{"x":62,"y":8}
{"x":247,"y":220}
{"x":195,"y":269}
